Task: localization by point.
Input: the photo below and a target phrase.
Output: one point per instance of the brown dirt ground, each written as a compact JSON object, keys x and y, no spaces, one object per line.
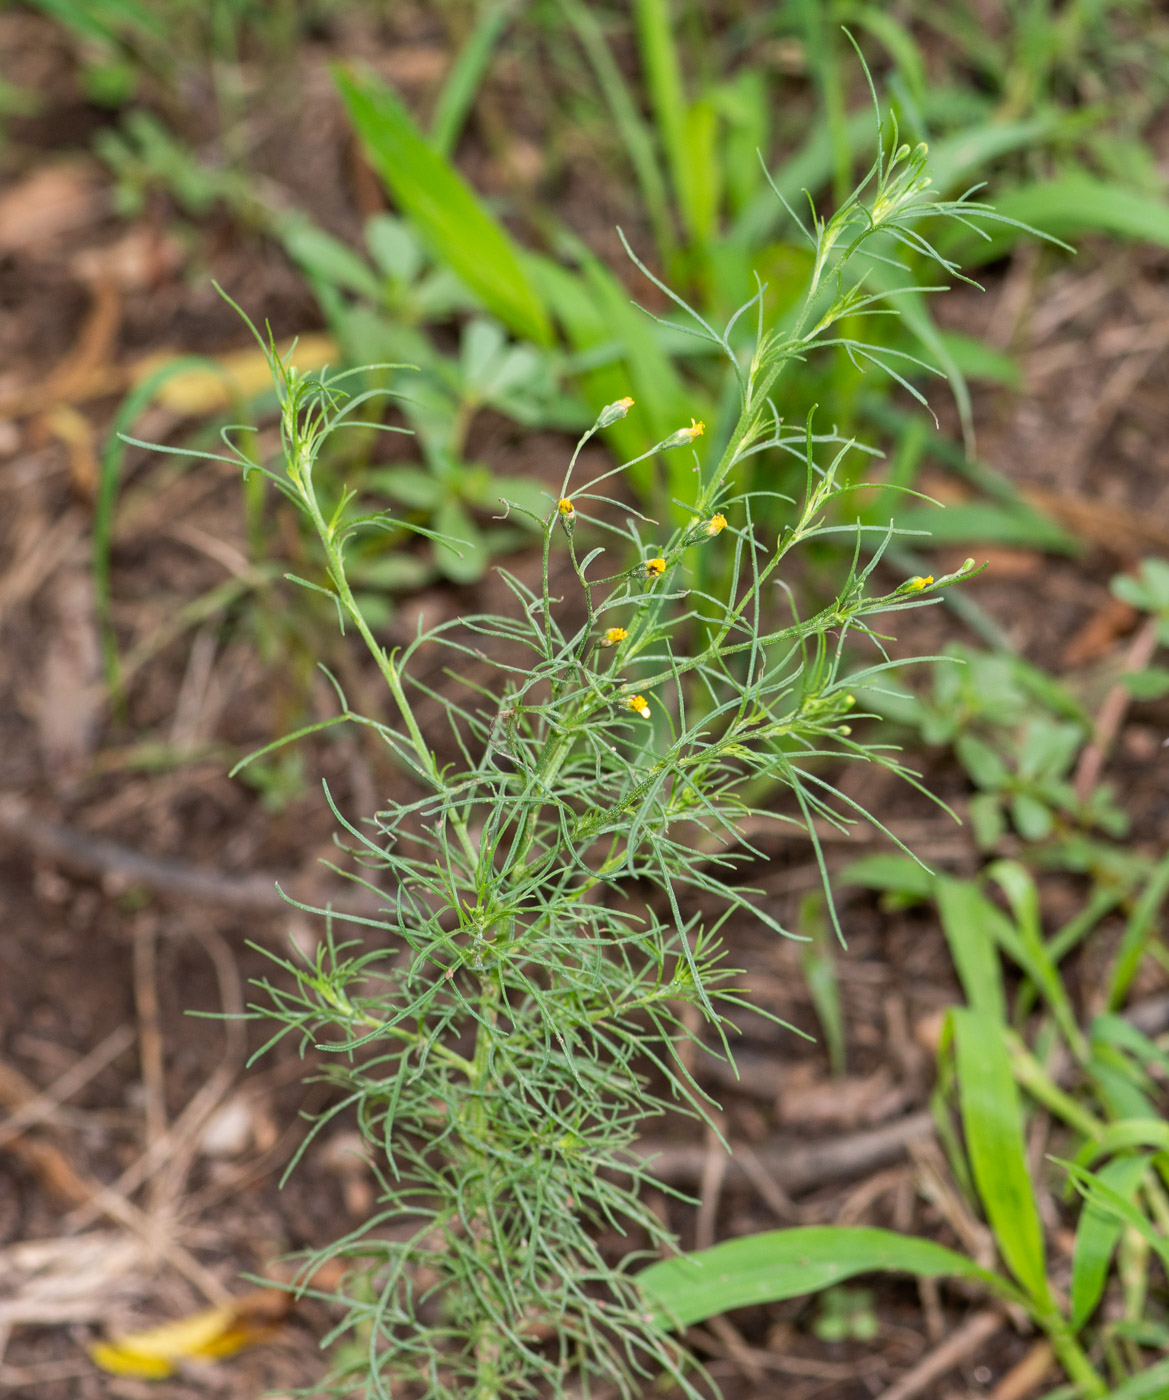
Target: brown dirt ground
{"x":148,"y":1181}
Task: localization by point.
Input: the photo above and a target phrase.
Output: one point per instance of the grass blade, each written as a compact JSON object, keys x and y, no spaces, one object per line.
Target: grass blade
{"x":467,"y":72}
{"x":636,"y":136}
{"x":1069,"y":207}
{"x":992,"y":1118}
{"x":659,"y":55}
{"x":778,"y":1264}
{"x":136,"y":401}
{"x":1137,"y":933}
{"x":444,"y":208}
{"x":1096,"y":1236}
{"x":968,"y":920}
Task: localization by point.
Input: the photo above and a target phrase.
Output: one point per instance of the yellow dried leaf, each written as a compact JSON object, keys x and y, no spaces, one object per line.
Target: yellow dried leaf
{"x":242,"y":373}
{"x":156,"y":1352}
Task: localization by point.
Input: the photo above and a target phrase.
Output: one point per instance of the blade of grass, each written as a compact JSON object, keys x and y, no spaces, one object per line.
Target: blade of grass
{"x":663,"y":75}
{"x":1098,"y":1191}
{"x":112,"y":461}
{"x":819,"y":967}
{"x":467,"y":73}
{"x":1097,"y":1232}
{"x":1030,"y":951}
{"x":992,"y":1119}
{"x":968,"y":921}
{"x":444,"y":208}
{"x":636,"y":137}
{"x":778,"y":1264}
{"x":1137,"y":933}
{"x":1069,"y":207}
{"x":820,"y":34}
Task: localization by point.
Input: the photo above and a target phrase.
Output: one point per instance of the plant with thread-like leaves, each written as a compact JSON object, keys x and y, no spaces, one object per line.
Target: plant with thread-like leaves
{"x":553,"y":892}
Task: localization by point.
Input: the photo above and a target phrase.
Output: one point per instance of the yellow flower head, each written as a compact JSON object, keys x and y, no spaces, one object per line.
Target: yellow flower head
{"x":684,"y":435}
{"x":716,"y":525}
{"x":655,"y":568}
{"x":638,"y":704}
{"x":613,"y":636}
{"x":920,"y":582}
{"x":565,"y":507}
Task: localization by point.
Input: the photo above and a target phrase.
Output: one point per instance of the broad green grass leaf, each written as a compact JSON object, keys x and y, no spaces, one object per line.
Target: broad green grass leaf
{"x":986,"y":522}
{"x":976,"y":359}
{"x":108,"y":20}
{"x":467,"y":73}
{"x":1120,"y":1084}
{"x":464,"y":558}
{"x":1119,"y":1137}
{"x":1096,"y":1236}
{"x":596,"y":311}
{"x":969,"y":921}
{"x":992,"y":1119}
{"x":778,"y":1264}
{"x":703,"y":171}
{"x":1137,"y":933}
{"x":1151,"y":1384}
{"x":443,"y":207}
{"x":1098,"y":1191}
{"x":321,"y":255}
{"x":1110,"y":1029}
{"x":1069,"y":207}
{"x":899,"y":874}
{"x":663,"y":77}
{"x":958,"y":159}
{"x":1031,"y":952}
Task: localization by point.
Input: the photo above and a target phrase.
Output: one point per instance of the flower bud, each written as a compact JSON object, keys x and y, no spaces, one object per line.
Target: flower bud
{"x":683,"y":436}
{"x":613,"y":411}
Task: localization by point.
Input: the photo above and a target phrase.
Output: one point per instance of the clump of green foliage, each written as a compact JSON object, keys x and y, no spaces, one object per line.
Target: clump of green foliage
{"x":554,"y":887}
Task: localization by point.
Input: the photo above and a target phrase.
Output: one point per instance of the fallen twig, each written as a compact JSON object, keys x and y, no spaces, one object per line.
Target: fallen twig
{"x":944,"y":1357}
{"x":44,"y":1105}
{"x":1112,"y":711}
{"x":107,"y":860}
{"x":795,"y":1168}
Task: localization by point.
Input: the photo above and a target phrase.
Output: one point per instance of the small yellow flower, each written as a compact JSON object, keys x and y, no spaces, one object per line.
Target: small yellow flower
{"x":684,"y":435}
{"x":716,"y":525}
{"x":565,"y":507}
{"x":655,"y":568}
{"x":639,"y":705}
{"x":613,"y":636}
{"x":920,"y":582}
